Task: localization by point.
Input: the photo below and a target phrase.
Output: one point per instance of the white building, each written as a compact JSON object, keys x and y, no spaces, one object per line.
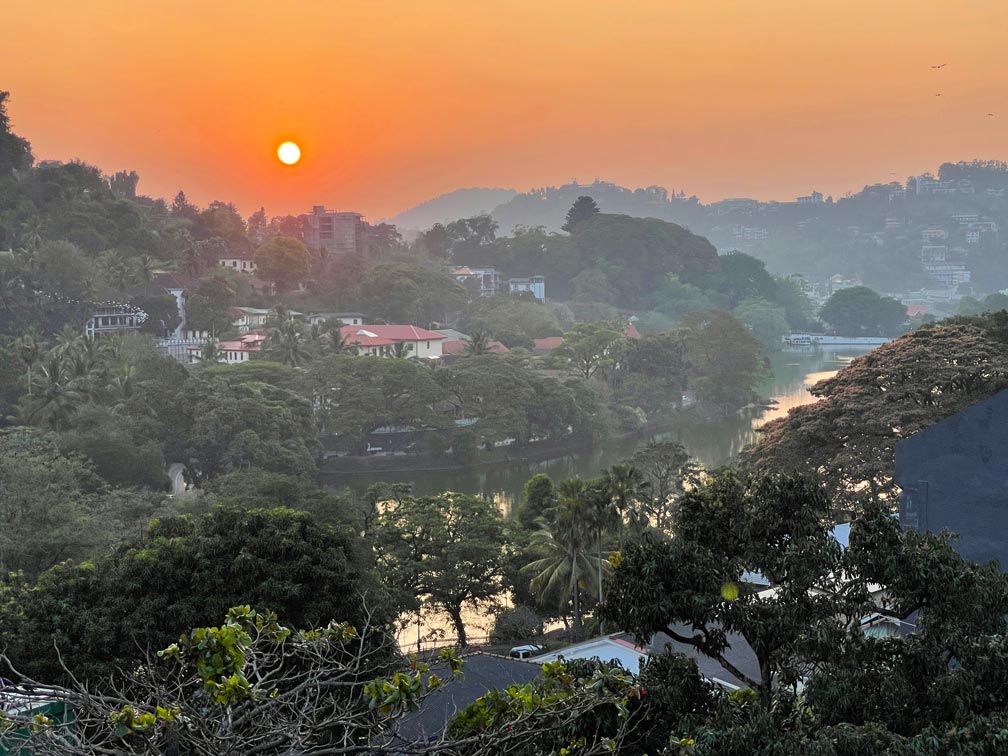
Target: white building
{"x":607,"y":648}
{"x":347,"y":318}
{"x":487,"y":278}
{"x":243,"y":264}
{"x":949,"y":274}
{"x":379,"y":340}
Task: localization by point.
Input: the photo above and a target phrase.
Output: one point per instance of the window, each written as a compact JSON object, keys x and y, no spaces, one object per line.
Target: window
{"x":428,"y":345}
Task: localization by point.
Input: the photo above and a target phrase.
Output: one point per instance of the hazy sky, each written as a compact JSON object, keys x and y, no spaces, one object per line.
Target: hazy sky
{"x":396,"y":101}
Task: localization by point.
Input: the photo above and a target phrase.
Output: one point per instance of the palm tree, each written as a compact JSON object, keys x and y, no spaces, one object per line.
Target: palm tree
{"x":56,"y":395}
{"x":211,"y":352}
{"x":626,"y":487}
{"x":288,"y":344}
{"x":121,"y":389}
{"x":565,"y":540}
{"x":32,"y":233}
{"x":29,"y":348}
{"x":400,"y":350}
{"x":479,"y":343}
{"x":69,"y":342}
{"x":145,"y":268}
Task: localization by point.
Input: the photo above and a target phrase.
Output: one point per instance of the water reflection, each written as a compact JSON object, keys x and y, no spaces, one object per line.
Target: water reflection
{"x":713,"y":443}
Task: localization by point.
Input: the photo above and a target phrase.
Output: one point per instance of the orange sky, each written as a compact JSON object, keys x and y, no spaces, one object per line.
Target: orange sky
{"x":396,"y":101}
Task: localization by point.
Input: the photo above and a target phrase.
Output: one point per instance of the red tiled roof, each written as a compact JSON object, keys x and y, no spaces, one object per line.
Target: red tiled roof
{"x":631,"y":331}
{"x":386,"y":335}
{"x":457,"y":347}
{"x":548,"y":344}
{"x":916,"y":311}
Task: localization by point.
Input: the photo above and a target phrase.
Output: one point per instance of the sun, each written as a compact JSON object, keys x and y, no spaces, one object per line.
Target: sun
{"x":289,"y":153}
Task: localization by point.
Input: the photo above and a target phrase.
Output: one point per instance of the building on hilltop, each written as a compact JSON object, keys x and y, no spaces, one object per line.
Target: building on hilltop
{"x":336,"y":233}
{"x":815,"y":198}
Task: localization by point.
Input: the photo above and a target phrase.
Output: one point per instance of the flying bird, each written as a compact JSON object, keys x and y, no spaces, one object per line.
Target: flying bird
{"x":991,"y":115}
{"x":941,"y":65}
{"x":937,"y":94}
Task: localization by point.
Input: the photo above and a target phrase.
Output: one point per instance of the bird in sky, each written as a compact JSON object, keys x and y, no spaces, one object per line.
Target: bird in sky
{"x":991,"y":115}
{"x":937,"y":94}
{"x":940,"y":65}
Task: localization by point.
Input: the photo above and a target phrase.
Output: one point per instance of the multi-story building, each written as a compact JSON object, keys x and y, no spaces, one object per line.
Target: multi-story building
{"x":949,"y":274}
{"x":933,"y":234}
{"x":751,"y":233}
{"x":487,"y":280}
{"x":933,"y":253}
{"x":114,"y":318}
{"x":535,"y":284}
{"x":965,"y":217}
{"x":336,"y":233}
{"x":815,"y":198}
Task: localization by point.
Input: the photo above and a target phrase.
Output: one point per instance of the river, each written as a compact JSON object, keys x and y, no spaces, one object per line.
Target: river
{"x":711,"y":443}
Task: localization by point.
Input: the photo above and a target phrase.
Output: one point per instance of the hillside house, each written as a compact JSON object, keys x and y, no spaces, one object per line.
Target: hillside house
{"x":379,"y":340}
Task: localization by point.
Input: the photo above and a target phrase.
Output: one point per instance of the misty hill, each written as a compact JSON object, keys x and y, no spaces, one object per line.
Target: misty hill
{"x":547,"y":206}
{"x":461,"y":203}
{"x":933,"y":232}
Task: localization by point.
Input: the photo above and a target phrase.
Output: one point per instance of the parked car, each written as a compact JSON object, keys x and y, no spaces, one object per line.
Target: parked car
{"x":524,"y":652}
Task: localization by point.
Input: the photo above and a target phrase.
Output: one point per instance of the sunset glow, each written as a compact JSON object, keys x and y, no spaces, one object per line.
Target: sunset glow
{"x":401,"y":100}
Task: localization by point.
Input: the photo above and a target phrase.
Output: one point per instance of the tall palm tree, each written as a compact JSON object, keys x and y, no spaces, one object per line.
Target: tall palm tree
{"x":29,"y":347}
{"x":145,"y":268}
{"x":565,"y":540}
{"x":627,"y":488}
{"x":32,"y":234}
{"x":288,"y":344}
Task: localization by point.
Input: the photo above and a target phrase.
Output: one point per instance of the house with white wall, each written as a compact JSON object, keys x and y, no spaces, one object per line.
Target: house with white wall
{"x":379,"y":340}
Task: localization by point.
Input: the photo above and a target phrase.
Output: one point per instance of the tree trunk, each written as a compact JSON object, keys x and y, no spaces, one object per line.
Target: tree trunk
{"x":578,"y":627}
{"x":460,"y":632}
{"x":601,"y":624}
{"x":766,"y":684}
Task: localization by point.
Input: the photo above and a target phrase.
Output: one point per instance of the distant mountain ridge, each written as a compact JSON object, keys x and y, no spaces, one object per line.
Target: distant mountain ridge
{"x":461,"y":203}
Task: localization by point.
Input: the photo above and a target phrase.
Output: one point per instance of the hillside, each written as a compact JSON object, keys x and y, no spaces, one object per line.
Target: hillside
{"x":461,"y":203}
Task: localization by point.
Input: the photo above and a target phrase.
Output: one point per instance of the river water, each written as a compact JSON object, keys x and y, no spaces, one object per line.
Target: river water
{"x":710,"y":443}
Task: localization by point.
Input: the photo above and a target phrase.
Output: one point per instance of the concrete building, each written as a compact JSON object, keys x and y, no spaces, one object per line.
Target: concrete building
{"x":336,"y":233}
{"x":484,"y":280}
{"x":815,"y":198}
{"x":241,"y":263}
{"x":114,"y":318}
{"x":535,"y":284}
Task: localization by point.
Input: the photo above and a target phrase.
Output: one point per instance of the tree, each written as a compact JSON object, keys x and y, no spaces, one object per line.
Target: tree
{"x":850,"y":434}
{"x":538,"y":498}
{"x":584,"y":207}
{"x":687,"y":586}
{"x":724,"y":357}
{"x":355,"y":395}
{"x":767,"y":322}
{"x":588,"y":348}
{"x":479,"y":343}
{"x":629,"y":493}
{"x":745,"y":277}
{"x":409,"y":293}
{"x":447,"y":550}
{"x":565,"y":541}
{"x":859,"y":311}
{"x":250,"y":685}
{"x":287,"y":343}
{"x":46,"y":501}
{"x":15,"y":152}
{"x":183,"y":572}
{"x":283,"y":260}
{"x":666,"y":467}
